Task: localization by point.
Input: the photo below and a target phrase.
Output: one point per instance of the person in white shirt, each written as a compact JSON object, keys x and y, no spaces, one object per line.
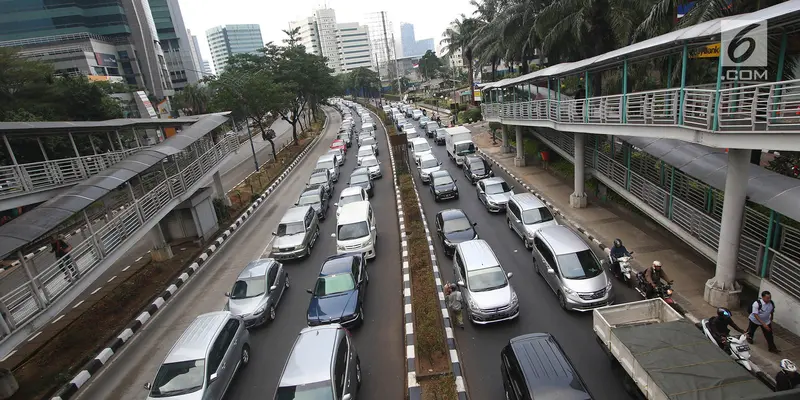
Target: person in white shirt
{"x":761,"y":315}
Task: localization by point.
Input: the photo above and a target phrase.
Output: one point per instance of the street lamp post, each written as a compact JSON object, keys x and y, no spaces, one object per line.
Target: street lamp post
{"x":249,"y":135}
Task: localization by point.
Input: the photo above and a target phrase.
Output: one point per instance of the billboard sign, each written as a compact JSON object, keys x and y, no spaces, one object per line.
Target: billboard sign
{"x":105,"y":60}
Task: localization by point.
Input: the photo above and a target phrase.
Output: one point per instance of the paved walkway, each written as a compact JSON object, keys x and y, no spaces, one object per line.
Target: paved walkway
{"x":649,"y":242}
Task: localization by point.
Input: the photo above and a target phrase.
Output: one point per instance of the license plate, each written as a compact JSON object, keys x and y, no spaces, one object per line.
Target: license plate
{"x":743,"y":348}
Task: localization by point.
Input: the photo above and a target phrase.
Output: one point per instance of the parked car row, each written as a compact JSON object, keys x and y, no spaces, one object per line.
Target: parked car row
{"x":323,"y":362}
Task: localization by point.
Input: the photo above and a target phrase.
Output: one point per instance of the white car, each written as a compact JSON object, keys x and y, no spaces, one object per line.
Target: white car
{"x":350,"y":194}
{"x":365,"y":151}
{"x":427,"y":164}
{"x":373,"y":166}
{"x":339,"y":154}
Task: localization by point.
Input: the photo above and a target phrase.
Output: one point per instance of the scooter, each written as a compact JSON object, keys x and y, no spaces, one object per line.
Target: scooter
{"x":663,"y":291}
{"x":625,"y":270}
{"x":736,"y":347}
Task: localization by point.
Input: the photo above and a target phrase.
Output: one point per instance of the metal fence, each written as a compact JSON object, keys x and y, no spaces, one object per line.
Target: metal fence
{"x":773,"y":106}
{"x":169,"y":181}
{"x":769,"y":246}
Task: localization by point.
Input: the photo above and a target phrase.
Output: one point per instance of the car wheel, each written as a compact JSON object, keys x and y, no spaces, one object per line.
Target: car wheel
{"x":562,"y":301}
{"x":272,"y":313}
{"x":286,"y":282}
{"x":245,"y":357}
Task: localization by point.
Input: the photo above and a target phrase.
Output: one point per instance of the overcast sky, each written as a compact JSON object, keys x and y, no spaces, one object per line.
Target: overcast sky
{"x":430,"y":17}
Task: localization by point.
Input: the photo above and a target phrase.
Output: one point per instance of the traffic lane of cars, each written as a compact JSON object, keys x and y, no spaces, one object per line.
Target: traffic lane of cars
{"x":379,"y":341}
{"x":539,"y":309}
{"x":138,"y":362}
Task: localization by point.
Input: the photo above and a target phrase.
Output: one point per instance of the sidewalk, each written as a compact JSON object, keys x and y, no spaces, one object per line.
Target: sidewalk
{"x":649,"y":242}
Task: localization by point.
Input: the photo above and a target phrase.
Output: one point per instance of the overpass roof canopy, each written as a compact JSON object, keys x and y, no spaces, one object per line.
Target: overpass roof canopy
{"x":31,"y":226}
{"x":696,"y":35}
{"x":60,"y":127}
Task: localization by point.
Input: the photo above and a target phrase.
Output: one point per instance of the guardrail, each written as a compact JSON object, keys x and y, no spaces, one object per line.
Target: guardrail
{"x":760,"y":107}
{"x":33,"y":297}
{"x":32,"y":177}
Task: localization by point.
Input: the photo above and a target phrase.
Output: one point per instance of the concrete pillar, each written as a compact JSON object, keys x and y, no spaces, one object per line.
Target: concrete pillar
{"x":162,"y":251}
{"x":505,"y":147}
{"x":578,"y":198}
{"x":219,"y":190}
{"x":722,"y":290}
{"x":519,"y":160}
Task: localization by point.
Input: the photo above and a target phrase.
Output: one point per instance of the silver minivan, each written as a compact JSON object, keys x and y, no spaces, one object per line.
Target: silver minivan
{"x":484,"y":283}
{"x":525,"y":214}
{"x":323,"y":364}
{"x":570,"y":267}
{"x":204,"y":360}
{"x":257,"y":291}
{"x":297,"y":233}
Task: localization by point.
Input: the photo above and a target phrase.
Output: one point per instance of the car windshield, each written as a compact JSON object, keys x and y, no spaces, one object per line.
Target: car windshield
{"x":476,"y":166}
{"x":332,"y":284}
{"x":369,"y":162}
{"x":486,"y":279}
{"x":421,"y":147}
{"x":327,"y":164}
{"x":365,"y":152}
{"x":317,"y":179}
{"x":308,"y":200}
{"x":580,"y":265}
{"x":429,"y":163}
{"x":536,"y":215}
{"x":292,"y":228}
{"x":442,"y":180}
{"x":350,"y":199}
{"x":464,"y":148}
{"x":368,"y":141}
{"x":352,"y":231}
{"x":311,"y":391}
{"x":178,"y":378}
{"x":497,"y":188}
{"x":456,"y":225}
{"x":360,"y":178}
{"x":246,"y":288}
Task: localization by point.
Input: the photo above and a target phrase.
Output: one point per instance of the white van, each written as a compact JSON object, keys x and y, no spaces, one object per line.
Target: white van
{"x":356,"y":229}
{"x":419,"y":147}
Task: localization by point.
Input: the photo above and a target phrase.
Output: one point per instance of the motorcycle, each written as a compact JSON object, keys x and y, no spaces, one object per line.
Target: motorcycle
{"x":736,"y":347}
{"x":662,"y":290}
{"x":625,"y":270}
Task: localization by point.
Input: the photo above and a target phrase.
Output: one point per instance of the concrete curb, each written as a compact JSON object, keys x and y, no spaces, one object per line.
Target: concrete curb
{"x":414,"y":389}
{"x":103,"y":357}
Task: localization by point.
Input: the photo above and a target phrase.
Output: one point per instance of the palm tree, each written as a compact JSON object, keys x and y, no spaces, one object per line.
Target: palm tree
{"x":460,"y":35}
{"x":193,"y":99}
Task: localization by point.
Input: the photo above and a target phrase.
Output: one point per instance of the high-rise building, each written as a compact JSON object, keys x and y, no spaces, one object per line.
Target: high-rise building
{"x":422,"y":46}
{"x":228,"y":40}
{"x":325,"y":20}
{"x":114,"y":39}
{"x":380,"y":37}
{"x":197,"y":57}
{"x":408,"y":40}
{"x":207,"y":71}
{"x":176,"y":42}
{"x":355,"y":50}
{"x":345,"y":46}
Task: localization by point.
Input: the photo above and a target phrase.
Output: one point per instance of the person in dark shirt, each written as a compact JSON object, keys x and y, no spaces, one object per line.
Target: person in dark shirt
{"x":719,"y":326}
{"x":617,"y":251}
{"x":787,"y":378}
{"x":61,"y":248}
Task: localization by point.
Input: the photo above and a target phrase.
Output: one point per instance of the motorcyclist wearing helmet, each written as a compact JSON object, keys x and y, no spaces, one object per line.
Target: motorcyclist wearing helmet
{"x":653,"y":277}
{"x":719,"y":326}
{"x":787,"y":378}
{"x":617,"y":251}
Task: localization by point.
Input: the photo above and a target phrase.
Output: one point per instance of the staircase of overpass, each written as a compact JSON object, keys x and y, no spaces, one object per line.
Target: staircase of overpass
{"x":142,"y":188}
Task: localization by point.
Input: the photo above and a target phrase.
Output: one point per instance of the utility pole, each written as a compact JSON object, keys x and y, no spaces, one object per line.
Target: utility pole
{"x":397,"y":70}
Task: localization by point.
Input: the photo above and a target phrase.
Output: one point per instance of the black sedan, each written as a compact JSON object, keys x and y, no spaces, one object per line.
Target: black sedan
{"x":443,"y":186}
{"x":338,"y":296}
{"x":317,"y":199}
{"x":454,"y":227}
{"x":476,"y":168}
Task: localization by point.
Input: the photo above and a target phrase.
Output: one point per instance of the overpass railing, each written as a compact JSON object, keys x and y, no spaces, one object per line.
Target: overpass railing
{"x":33,"y":297}
{"x":32,"y":177}
{"x":760,"y":107}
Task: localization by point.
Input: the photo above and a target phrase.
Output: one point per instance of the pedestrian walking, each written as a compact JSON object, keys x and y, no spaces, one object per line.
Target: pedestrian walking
{"x":61,"y":248}
{"x":454,"y":303}
{"x":761,"y":314}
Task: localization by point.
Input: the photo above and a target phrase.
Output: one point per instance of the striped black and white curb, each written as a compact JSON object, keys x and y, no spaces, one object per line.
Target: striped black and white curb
{"x":414,"y":390}
{"x":103,"y":357}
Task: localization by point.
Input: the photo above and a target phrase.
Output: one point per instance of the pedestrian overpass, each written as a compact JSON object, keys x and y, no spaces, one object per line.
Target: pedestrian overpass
{"x":150,"y":183}
{"x":699,"y":138}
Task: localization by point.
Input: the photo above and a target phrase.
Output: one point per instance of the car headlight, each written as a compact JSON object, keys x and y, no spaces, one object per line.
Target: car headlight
{"x":568,"y":290}
{"x":472,"y":304}
{"x":609,"y":286}
{"x":491,"y":203}
{"x":260,"y":310}
{"x":341,"y":248}
{"x":514,"y":300}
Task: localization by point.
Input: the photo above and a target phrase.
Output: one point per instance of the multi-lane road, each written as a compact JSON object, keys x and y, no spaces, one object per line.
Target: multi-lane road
{"x":379,"y":341}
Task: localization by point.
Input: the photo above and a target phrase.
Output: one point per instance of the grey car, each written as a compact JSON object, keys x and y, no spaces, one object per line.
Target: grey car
{"x":484,"y":283}
{"x":202,"y":363}
{"x":372,"y":165}
{"x":427,"y":164}
{"x":323,"y":364}
{"x":430,"y":128}
{"x":361,"y":177}
{"x":257,"y":291}
{"x":370,"y":141}
{"x":321,"y":178}
{"x":316,"y":198}
{"x":297,"y":233}
{"x":494,"y":193}
{"x":526,"y":214}
{"x":328,"y":161}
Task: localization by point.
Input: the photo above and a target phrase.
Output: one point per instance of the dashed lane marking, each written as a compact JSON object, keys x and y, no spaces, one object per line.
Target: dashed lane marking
{"x":79,"y":304}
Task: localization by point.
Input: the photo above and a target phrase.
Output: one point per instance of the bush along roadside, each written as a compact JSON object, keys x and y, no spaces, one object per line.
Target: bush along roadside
{"x":433,"y":369}
{"x":126,"y":332}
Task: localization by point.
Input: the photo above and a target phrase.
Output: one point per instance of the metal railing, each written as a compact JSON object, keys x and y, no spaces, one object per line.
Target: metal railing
{"x":771,"y":106}
{"x":29,"y":299}
{"x":32,"y":177}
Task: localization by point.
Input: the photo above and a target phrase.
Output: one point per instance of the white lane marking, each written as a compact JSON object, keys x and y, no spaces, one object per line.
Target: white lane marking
{"x":137,"y":260}
{"x":57,"y":319}
{"x":79,"y":304}
{"x":8,"y":355}
{"x":34,"y":336}
{"x":97,"y":290}
{"x":126,"y":268}
{"x":112,"y":278}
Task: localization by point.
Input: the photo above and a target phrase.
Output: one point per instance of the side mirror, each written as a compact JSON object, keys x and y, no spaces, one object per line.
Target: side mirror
{"x":212,"y":378}
{"x":336,"y":204}
{"x":373,"y":229}
{"x":148,"y":386}
{"x":309,"y":291}
{"x":509,"y":275}
{"x":274,"y":233}
{"x":346,"y":396}
{"x":510,"y":188}
{"x":474,"y":224}
{"x":273,"y":287}
{"x":550,"y":270}
{"x":460,"y":283}
{"x":227,"y":294}
{"x":333,"y":235}
{"x":297,"y":203}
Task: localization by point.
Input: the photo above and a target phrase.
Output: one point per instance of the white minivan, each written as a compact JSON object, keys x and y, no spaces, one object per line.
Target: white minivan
{"x":356,"y":229}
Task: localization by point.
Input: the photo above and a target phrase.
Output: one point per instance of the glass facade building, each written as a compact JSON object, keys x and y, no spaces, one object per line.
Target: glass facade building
{"x":227,"y":40}
{"x":24,"y":19}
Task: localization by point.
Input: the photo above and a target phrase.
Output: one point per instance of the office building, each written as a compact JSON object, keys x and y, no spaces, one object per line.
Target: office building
{"x":176,"y":42}
{"x":422,"y":46}
{"x":118,"y":43}
{"x":354,"y":47}
{"x":381,"y":40}
{"x":345,"y":46}
{"x":228,"y":40}
{"x":197,"y":57}
{"x":411,"y":46}
{"x":207,"y":71}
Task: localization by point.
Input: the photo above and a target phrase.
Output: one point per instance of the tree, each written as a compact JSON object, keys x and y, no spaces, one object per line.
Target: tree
{"x":193,"y":99}
{"x":460,"y":35}
{"x":360,"y":80}
{"x":429,"y":64}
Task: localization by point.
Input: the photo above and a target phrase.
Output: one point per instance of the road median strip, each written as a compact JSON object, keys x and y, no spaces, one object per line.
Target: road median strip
{"x":430,"y":343}
{"x":102,"y":358}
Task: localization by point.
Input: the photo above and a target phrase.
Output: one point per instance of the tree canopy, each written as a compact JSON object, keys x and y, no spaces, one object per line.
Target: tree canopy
{"x":360,"y":81}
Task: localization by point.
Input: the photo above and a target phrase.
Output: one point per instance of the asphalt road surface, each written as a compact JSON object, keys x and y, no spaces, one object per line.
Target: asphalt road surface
{"x":379,"y":341}
{"x":480,"y":346}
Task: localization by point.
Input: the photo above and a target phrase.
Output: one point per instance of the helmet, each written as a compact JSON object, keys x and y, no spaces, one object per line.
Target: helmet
{"x":617,"y":242}
{"x":657,"y":264}
{"x":788,"y":366}
{"x":723,"y":313}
